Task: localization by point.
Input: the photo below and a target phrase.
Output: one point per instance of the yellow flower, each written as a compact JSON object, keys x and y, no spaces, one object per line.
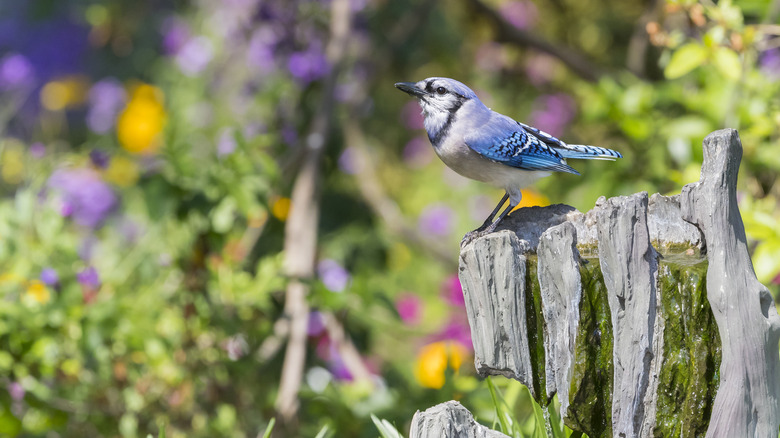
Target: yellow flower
{"x":532,"y":198}
{"x":433,"y":360}
{"x":38,"y":291}
{"x":140,"y":124}
{"x":280,"y":208}
{"x":122,"y":172}
{"x":64,"y":93}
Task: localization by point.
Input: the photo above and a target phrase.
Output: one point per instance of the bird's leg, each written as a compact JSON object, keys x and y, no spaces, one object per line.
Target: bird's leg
{"x":489,"y":219}
{"x":490,"y":225}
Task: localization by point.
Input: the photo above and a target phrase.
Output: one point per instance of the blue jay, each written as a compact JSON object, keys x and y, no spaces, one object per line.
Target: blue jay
{"x":484,"y":145}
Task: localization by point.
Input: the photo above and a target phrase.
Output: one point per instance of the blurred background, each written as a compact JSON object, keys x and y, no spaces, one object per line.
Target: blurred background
{"x":218,"y":213}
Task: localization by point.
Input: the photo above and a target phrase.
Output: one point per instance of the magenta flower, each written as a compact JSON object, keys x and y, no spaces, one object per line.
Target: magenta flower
{"x":84,"y":195}
{"x":452,"y":292}
{"x":457,"y":329}
{"x":16,"y":391}
{"x":333,"y":275}
{"x":436,"y":219}
{"x":520,"y":14}
{"x":106,"y":100}
{"x":409,"y":307}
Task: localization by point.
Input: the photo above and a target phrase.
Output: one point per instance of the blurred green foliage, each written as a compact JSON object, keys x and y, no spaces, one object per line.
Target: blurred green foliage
{"x":147,"y":155}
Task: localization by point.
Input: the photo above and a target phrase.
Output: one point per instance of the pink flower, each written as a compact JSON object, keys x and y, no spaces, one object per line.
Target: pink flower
{"x":520,"y":14}
{"x":411,"y":115}
{"x":409,"y":308}
{"x":452,"y":292}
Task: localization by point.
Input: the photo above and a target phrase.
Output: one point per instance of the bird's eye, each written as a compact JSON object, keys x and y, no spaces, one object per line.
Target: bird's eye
{"x":441,"y":90}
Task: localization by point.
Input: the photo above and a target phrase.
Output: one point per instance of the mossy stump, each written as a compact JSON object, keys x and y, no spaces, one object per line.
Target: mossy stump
{"x":644,"y":314}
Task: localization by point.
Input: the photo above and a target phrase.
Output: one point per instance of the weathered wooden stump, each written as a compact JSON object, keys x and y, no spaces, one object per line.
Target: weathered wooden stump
{"x":644,"y":314}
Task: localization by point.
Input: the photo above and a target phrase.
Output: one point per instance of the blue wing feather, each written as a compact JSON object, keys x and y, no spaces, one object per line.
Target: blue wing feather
{"x":579,"y":151}
{"x":520,"y":149}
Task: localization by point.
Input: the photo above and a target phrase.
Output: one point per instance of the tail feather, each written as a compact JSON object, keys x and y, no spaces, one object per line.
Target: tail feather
{"x":584,"y":152}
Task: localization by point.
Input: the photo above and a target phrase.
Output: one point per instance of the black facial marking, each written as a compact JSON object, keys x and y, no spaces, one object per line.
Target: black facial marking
{"x":429,"y":86}
{"x":441,"y":133}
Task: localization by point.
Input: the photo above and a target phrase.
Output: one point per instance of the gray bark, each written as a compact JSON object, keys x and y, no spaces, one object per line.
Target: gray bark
{"x":629,"y":266}
{"x":561,"y":289}
{"x":746,"y":404}
{"x":449,"y":420}
{"x":492,"y":273}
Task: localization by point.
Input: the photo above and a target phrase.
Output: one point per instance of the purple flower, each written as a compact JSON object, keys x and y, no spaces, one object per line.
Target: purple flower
{"x":339,"y":369}
{"x":418,"y":153}
{"x":316,"y":324}
{"x":553,"y":113}
{"x":308,"y":65}
{"x":409,"y":307}
{"x":226,"y":143}
{"x":84,"y":196}
{"x":176,"y":33}
{"x":520,"y":14}
{"x":540,"y":68}
{"x":37,"y":150}
{"x":333,"y":275}
{"x":99,"y":158}
{"x":436,"y":219}
{"x":260,"y":52}
{"x":769,"y":63}
{"x":411,"y":115}
{"x":89,"y":278}
{"x":195,"y":56}
{"x":289,"y":135}
{"x":347,"y":161}
{"x":106,"y":100}
{"x":50,"y":277}
{"x":16,"y":391}
{"x":15,"y":71}
{"x":452,"y":292}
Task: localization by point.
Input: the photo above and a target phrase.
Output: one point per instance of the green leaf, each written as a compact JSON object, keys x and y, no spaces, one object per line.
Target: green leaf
{"x":728,"y":64}
{"x":685,"y":59}
{"x":386,"y":430}
{"x":270,"y":428}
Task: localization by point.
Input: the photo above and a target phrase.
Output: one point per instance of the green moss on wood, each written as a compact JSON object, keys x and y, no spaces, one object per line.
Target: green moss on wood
{"x":590,"y":394}
{"x":535,"y":325}
{"x":692,"y":350}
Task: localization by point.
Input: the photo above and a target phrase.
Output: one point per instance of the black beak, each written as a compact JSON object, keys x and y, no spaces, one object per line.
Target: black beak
{"x":410,"y":88}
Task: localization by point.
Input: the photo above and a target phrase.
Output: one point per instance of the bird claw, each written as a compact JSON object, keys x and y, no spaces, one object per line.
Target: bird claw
{"x":476,"y":234}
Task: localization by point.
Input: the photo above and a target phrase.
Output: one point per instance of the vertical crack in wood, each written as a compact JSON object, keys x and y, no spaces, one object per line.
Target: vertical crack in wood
{"x":747,"y":403}
{"x":629,"y":265}
{"x":561,"y":290}
{"x":492,"y":273}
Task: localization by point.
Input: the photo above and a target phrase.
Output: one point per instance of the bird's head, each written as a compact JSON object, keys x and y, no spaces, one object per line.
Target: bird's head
{"x":440,"y":99}
{"x":438,"y":95}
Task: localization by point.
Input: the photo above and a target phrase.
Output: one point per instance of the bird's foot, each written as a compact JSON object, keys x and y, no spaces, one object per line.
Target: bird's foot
{"x":479,"y":232}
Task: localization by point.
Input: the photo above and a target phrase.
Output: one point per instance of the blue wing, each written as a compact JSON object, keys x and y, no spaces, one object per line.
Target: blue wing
{"x":573,"y":150}
{"x":519,"y":149}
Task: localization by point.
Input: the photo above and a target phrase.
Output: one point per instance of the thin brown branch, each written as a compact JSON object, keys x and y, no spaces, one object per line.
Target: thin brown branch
{"x":506,"y":32}
{"x":347,"y":350}
{"x":300,"y":240}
